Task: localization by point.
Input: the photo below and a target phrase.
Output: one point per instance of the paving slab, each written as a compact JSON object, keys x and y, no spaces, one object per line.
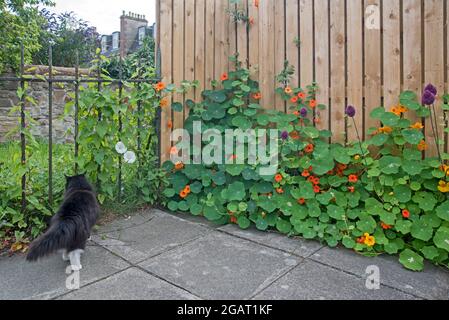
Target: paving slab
{"x":297,"y":246}
{"x":161,"y":233}
{"x":432,"y":283}
{"x":314,"y":281}
{"x":220,"y":266}
{"x":130,"y":284}
{"x":126,"y":221}
{"x":46,"y":279}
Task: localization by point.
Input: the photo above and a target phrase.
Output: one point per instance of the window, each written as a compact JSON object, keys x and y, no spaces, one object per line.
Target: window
{"x":104,"y":43}
{"x":115,"y":40}
{"x":142,"y":31}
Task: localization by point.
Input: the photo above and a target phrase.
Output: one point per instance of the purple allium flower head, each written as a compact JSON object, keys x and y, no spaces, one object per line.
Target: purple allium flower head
{"x":428,"y":98}
{"x":303,"y":112}
{"x":430,"y":87}
{"x":350,"y":111}
{"x":284,"y":135}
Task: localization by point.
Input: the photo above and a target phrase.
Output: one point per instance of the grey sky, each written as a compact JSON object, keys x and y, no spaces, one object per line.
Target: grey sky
{"x":105,"y":14}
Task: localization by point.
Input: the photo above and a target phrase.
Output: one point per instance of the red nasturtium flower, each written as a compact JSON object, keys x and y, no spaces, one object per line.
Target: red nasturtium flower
{"x":351,"y":189}
{"x":251,"y":20}
{"x":280,"y":190}
{"x":233,"y":220}
{"x":306,"y":173}
{"x":406,"y":213}
{"x":385,"y":226}
{"x":309,"y":148}
{"x":313,"y":103}
{"x":301,"y":201}
{"x":316,"y":189}
{"x":224,"y":77}
{"x":257,"y":96}
{"x":183,"y":194}
{"x":301,"y":95}
{"x":170,"y":124}
{"x":294,"y":99}
{"x":278,"y":178}
{"x":353,"y":178}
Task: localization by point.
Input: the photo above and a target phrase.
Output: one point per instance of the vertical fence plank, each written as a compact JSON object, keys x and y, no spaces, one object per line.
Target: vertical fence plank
{"x":306,"y":42}
{"x":165,"y":44}
{"x":189,"y":49}
{"x":292,"y":35}
{"x":200,"y":71}
{"x":221,"y":37}
{"x":338,"y":85}
{"x":322,"y":61}
{"x":232,"y":33}
{"x":372,"y":61}
{"x":178,"y":58}
{"x":412,"y":57}
{"x":434,"y":66}
{"x":22,"y":127}
{"x":253,"y":39}
{"x":266,"y":50}
{"x":209,"y":43}
{"x":50,"y":126}
{"x":279,"y":54}
{"x":242,"y":37}
{"x":355,"y":65}
{"x":391,"y":52}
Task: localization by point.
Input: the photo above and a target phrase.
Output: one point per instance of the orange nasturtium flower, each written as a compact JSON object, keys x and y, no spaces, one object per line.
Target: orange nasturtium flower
{"x":164,"y":102}
{"x":183,"y":194}
{"x":385,"y":130}
{"x":170,"y":124}
{"x":353,"y":178}
{"x":370,"y":241}
{"x":301,"y":201}
{"x":280,"y":190}
{"x":294,"y":99}
{"x":398,"y":110}
{"x":306,"y":173}
{"x":443,"y":186}
{"x":422,"y":146}
{"x":417,"y":126}
{"x":309,"y":148}
{"x":288,"y":90}
{"x":385,"y":226}
{"x":406,"y":213}
{"x":316,"y":189}
{"x":278,"y":178}
{"x":179,"y":166}
{"x":256,"y":3}
{"x":313,"y":103}
{"x":294,"y":135}
{"x":224,"y":77}
{"x":233,"y":219}
{"x":187,"y":189}
{"x":297,"y":113}
{"x":159,"y":86}
{"x":301,"y":95}
{"x":257,"y":96}
{"x":351,"y":189}
{"x":251,"y":20}
{"x":173,"y":150}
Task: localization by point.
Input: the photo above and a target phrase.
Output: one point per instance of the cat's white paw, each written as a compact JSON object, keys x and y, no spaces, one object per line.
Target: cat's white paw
{"x":65,"y":256}
{"x":76,"y":267}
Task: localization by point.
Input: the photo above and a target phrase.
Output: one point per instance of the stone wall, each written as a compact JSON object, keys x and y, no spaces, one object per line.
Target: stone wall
{"x":62,"y":125}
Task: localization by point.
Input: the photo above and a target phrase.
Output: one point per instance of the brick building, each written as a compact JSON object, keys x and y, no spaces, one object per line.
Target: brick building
{"x":133,"y":29}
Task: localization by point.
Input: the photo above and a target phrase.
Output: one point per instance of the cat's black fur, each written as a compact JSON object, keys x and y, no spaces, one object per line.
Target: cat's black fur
{"x":70,"y":227}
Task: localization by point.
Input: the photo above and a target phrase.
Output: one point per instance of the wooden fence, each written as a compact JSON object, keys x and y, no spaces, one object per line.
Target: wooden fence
{"x":360,"y":52}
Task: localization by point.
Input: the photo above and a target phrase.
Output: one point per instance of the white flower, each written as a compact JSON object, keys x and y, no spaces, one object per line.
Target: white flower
{"x":130,"y":157}
{"x":120,"y":147}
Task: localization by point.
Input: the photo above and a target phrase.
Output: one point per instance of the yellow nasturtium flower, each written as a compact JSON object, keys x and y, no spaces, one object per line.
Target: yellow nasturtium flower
{"x":443,"y":187}
{"x":370,"y":241}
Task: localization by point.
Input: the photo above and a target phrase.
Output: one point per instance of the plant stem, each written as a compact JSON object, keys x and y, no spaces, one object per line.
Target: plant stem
{"x":435,"y":135}
{"x":360,"y":142}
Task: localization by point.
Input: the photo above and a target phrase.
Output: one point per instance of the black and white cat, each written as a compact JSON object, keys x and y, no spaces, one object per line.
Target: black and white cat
{"x":70,"y":227}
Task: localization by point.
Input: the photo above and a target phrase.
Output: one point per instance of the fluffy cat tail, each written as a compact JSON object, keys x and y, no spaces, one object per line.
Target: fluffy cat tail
{"x":57,"y":237}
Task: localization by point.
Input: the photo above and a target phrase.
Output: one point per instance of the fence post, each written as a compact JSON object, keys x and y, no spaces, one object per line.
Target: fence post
{"x":22,"y":126}
{"x":76,"y":111}
{"x":120,"y":127}
{"x":99,"y":111}
{"x":159,"y":109}
{"x":50,"y":126}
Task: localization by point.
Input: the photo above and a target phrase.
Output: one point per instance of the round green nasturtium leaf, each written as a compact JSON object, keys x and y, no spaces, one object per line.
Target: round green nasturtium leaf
{"x":411,"y":260}
{"x":250,"y":174}
{"x":349,"y":243}
{"x":283,"y":226}
{"x":232,"y":206}
{"x":217,"y":96}
{"x":441,"y":238}
{"x":322,"y":166}
{"x":430,"y":252}
{"x":242,"y":122}
{"x":235,"y":169}
{"x":421,"y":231}
{"x":212,"y":213}
{"x":267,"y":204}
{"x":243,"y":222}
{"x":177,"y":107}
{"x":196,"y":187}
{"x":183,"y":206}
{"x":311,"y":132}
{"x":173,"y":206}
{"x":379,"y":139}
{"x":394,"y":246}
{"x":235,"y":192}
{"x":425,"y":200}
{"x":261,"y":224}
{"x":413,"y":136}
{"x":415,"y":186}
{"x":366,"y":224}
{"x":219,"y":178}
{"x":169,"y":193}
{"x":412,"y":167}
{"x":403,"y":194}
{"x":335,"y":212}
{"x":443,"y":211}
{"x":390,"y":165}
{"x":389,"y":119}
{"x":377,"y":113}
{"x":403,"y":226}
{"x":196,"y":209}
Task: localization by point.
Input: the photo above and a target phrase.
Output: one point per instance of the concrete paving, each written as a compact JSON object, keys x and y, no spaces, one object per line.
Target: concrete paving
{"x":154,"y":255}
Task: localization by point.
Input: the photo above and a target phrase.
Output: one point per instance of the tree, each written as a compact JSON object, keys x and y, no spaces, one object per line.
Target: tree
{"x":68,"y":35}
{"x":20,"y":22}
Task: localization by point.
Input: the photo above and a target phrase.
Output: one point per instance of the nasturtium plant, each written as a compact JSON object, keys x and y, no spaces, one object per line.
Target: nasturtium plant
{"x":375,"y":196}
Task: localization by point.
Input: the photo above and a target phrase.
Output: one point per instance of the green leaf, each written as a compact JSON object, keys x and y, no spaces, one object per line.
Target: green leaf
{"x":390,"y":165}
{"x":403,"y":226}
{"x":421,"y":231}
{"x":403,"y":194}
{"x":261,"y":224}
{"x":235,"y":192}
{"x":212,"y":213}
{"x":243,"y":222}
{"x":311,"y":132}
{"x":177,"y":107}
{"x":411,"y":260}
{"x":430,"y":252}
{"x":283,"y":226}
{"x":379,"y":139}
{"x":443,"y":211}
{"x":413,"y":136}
{"x":196,"y":209}
{"x":441,"y":238}
{"x":336,"y":212}
{"x":389,"y":119}
{"x":412,"y":167}
{"x":242,"y":123}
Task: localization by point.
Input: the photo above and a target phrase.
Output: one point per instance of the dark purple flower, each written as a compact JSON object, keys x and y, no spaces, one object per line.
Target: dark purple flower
{"x":431,"y":88}
{"x":350,"y":111}
{"x":428,"y":98}
{"x":284,"y":135}
{"x":303,"y":112}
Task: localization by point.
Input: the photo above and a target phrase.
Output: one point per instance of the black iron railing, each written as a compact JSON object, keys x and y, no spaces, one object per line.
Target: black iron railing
{"x":77,"y":81}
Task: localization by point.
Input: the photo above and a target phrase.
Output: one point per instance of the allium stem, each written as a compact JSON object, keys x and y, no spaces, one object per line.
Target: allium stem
{"x":360,"y":142}
{"x":433,"y":122}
